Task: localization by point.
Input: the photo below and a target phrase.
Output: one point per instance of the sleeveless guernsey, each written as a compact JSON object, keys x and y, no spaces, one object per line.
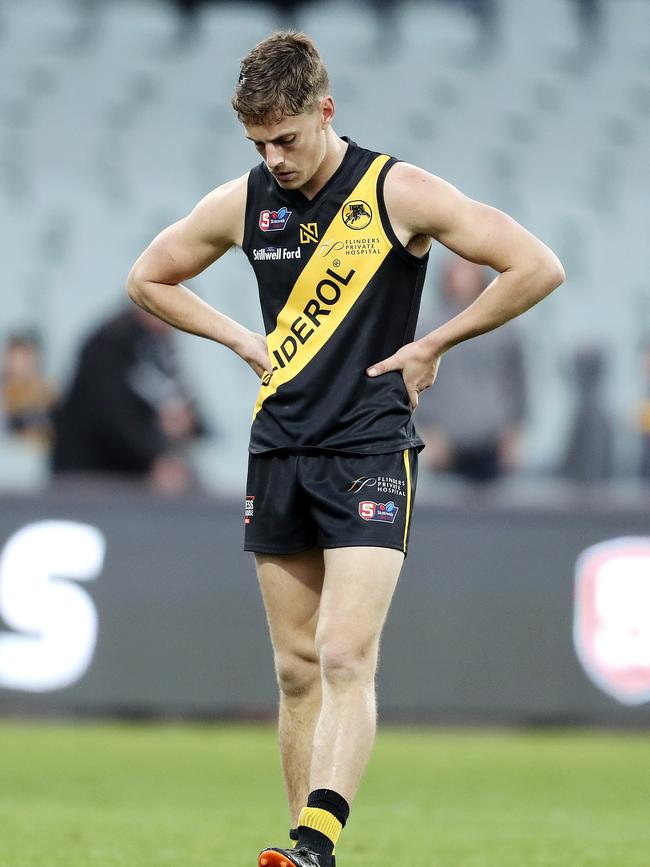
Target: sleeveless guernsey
{"x":338,"y":292}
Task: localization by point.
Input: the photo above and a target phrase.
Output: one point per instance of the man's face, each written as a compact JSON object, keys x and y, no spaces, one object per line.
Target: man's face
{"x":293,"y":148}
{"x":22,"y":361}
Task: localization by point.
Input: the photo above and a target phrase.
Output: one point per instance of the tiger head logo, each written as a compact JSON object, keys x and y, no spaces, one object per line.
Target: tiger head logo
{"x":356,"y":214}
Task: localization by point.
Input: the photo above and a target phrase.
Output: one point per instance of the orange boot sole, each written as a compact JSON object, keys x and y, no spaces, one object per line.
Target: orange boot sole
{"x":269,"y":858}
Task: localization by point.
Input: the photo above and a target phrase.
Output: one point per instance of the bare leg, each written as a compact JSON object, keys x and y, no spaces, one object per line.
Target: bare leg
{"x":357,"y":591}
{"x":291,"y":588}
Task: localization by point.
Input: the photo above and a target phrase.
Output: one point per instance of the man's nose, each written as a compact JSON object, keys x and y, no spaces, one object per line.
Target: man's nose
{"x":274,"y":156}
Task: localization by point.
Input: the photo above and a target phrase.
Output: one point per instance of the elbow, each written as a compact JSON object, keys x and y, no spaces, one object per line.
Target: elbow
{"x":135,"y":288}
{"x":557,"y":275}
{"x":551,"y":273}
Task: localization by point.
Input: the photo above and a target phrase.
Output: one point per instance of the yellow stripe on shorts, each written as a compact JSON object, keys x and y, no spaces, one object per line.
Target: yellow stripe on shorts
{"x":407,"y":467}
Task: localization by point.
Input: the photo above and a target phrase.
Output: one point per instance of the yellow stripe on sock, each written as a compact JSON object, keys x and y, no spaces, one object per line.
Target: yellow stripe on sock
{"x":321,"y":820}
{"x":407,"y":466}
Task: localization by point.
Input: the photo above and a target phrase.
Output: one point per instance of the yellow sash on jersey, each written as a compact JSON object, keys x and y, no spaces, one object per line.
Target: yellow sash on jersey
{"x":347,"y":257}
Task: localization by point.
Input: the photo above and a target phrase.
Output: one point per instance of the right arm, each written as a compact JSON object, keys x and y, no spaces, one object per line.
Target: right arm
{"x":182,"y":251}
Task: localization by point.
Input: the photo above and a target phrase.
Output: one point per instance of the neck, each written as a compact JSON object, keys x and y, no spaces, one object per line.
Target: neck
{"x":335,"y":149}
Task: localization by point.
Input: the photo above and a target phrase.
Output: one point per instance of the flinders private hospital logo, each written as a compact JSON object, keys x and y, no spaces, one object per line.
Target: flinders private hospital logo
{"x":611,"y":627}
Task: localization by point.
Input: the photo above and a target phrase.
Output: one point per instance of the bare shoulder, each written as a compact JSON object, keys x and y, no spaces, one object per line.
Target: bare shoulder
{"x":418,"y":200}
{"x":220,"y":214}
{"x":421,"y":204}
{"x":410,"y":180}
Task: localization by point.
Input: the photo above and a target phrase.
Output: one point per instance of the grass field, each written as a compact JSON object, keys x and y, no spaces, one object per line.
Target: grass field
{"x":193,"y":796}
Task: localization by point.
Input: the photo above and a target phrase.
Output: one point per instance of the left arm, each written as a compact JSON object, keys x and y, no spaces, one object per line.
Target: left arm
{"x":420,"y":204}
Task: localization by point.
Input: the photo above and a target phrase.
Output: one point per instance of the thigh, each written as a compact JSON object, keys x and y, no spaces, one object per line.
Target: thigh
{"x":291,"y":588}
{"x":276,"y":520}
{"x":361,"y":500}
{"x":357,"y":592}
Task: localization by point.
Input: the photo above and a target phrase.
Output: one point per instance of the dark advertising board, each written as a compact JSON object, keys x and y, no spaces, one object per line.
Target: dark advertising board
{"x":114,"y":603}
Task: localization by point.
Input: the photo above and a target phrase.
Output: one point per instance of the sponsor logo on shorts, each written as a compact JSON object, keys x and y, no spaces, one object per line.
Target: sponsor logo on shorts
{"x":361,"y":482}
{"x":274,"y":221}
{"x":249,"y":507}
{"x":383,"y":484}
{"x":274,"y":254}
{"x":385,"y":513}
{"x":356,"y":214}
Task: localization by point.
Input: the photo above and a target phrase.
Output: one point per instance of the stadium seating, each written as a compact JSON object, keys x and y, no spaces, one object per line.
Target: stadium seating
{"x":113,"y":127}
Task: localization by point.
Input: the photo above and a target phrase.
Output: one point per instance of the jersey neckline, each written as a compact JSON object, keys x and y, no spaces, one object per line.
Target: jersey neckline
{"x":299,"y":198}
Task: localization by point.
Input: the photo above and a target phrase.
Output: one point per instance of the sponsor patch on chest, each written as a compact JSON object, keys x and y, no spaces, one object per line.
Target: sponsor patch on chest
{"x":275,"y":254}
{"x":274,"y":221}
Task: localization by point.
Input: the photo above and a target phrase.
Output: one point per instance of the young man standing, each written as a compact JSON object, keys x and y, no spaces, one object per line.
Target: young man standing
{"x":338,"y":237}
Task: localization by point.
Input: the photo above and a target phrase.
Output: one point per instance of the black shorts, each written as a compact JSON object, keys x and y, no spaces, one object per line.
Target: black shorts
{"x":329,"y":500}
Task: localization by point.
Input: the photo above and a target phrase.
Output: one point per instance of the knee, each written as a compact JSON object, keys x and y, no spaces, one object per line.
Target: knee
{"x":343,"y":662}
{"x":297,"y":675}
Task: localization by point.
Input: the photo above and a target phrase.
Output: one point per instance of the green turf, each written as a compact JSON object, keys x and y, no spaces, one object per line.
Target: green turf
{"x":144,"y":796}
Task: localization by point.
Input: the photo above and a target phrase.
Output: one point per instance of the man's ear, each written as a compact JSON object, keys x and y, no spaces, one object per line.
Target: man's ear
{"x":327,"y":110}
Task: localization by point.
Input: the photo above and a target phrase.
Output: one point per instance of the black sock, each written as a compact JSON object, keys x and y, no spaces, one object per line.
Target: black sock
{"x":328,"y":799}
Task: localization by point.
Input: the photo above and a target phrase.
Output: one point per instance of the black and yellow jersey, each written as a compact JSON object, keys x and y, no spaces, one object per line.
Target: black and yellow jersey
{"x":338,"y":292}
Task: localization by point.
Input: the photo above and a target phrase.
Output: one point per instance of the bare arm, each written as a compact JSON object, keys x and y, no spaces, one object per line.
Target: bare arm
{"x":182,"y":251}
{"x":420,"y":204}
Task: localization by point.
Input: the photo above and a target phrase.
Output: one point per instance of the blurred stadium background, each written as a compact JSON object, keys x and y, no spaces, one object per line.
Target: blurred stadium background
{"x":115,"y":125}
{"x":526,"y":598}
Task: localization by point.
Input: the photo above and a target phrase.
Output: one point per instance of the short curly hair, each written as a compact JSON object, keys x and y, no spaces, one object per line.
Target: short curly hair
{"x":281,"y":77}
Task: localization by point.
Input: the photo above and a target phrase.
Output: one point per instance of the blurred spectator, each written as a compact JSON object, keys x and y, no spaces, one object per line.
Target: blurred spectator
{"x":644,"y":415}
{"x":471,"y":421}
{"x":27,"y":396}
{"x":589,"y":451}
{"x":126,"y":411}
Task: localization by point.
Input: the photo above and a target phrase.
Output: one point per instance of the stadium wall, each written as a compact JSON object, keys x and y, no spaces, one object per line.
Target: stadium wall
{"x":114,"y":603}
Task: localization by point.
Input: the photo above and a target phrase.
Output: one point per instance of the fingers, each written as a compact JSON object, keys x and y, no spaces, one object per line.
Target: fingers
{"x":261,"y":366}
{"x":384,"y":366}
{"x":392,"y":363}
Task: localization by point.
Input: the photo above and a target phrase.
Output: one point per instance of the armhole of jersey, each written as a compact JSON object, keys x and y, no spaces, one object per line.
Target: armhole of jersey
{"x":248,"y":215}
{"x":399,"y":248}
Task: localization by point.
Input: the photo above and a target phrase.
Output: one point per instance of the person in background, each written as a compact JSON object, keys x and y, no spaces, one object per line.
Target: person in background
{"x":644,"y":414}
{"x":472,"y":421}
{"x":589,"y":451}
{"x":126,"y":411}
{"x":27,"y":397}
